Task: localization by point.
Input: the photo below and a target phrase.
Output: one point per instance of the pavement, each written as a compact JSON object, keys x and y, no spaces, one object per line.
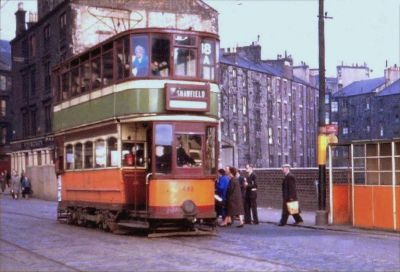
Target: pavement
{"x":272,"y":216}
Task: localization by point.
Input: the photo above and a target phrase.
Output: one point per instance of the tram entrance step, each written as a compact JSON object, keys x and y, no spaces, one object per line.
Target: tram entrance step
{"x":134,"y":224}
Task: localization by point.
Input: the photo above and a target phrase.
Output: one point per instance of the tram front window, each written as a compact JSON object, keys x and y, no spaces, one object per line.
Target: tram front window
{"x":163,"y":148}
{"x":140,"y":59}
{"x":188,"y":150}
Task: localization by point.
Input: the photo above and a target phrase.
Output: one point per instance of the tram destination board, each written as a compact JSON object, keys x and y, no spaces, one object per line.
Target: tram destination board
{"x":182,"y":97}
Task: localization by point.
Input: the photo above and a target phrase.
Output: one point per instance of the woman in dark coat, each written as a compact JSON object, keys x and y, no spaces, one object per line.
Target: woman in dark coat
{"x":234,"y":201}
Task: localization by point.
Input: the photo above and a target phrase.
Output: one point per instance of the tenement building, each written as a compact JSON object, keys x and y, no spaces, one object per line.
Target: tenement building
{"x":369,"y":109}
{"x":60,"y":30}
{"x":268,"y":110}
{"x":5,"y":110}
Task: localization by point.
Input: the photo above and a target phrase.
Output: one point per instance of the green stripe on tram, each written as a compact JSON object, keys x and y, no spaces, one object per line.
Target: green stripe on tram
{"x":126,"y":102}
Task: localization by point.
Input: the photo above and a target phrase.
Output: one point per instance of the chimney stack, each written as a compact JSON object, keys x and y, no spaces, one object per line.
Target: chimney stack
{"x":20,"y":19}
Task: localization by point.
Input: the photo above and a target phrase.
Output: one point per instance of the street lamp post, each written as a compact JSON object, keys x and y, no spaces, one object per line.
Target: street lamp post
{"x":321,"y":217}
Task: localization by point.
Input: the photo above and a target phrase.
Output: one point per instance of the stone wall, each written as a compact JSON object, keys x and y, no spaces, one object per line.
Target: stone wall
{"x":44,"y":181}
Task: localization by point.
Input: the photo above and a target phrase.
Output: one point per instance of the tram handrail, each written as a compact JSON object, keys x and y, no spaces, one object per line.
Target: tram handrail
{"x":147,"y":190}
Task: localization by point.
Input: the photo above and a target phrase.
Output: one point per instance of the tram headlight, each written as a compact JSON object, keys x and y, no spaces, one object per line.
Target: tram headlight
{"x":188,"y":207}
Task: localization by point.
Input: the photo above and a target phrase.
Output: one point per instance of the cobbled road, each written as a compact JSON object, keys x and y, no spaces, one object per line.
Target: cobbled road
{"x":31,"y":239}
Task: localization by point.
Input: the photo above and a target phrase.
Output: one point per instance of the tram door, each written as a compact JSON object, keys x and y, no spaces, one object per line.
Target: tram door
{"x":136,"y":150}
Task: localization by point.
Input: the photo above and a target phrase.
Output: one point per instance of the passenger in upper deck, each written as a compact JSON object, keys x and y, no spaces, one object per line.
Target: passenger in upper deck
{"x":140,"y":62}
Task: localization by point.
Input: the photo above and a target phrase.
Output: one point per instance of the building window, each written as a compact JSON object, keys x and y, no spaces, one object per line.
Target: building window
{"x":25,"y":123}
{"x":160,"y":51}
{"x":33,"y":122}
{"x":3,"y":135}
{"x":381,"y":130}
{"x":245,"y":133}
{"x":244,"y":105}
{"x":3,"y":107}
{"x":279,"y":135}
{"x":3,"y":82}
{"x":185,"y":56}
{"x":47,"y":117}
{"x":63,"y":21}
{"x":270,"y":136}
{"x":345,"y":131}
{"x":39,"y":158}
{"x":46,"y":34}
{"x":32,"y":46}
{"x":368,"y":128}
{"x":327,"y":119}
{"x":33,"y":81}
{"x":47,"y":76}
{"x":327,"y":99}
{"x":334,"y":106}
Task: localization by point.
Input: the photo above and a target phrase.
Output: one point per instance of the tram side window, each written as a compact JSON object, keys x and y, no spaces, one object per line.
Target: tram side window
{"x":78,"y":156}
{"x":211,"y":167}
{"x":100,"y":151}
{"x":85,"y":76}
{"x":208,"y":59}
{"x":96,"y":79}
{"x":188,"y":150}
{"x":160,"y":51}
{"x":107,"y":68}
{"x":64,"y":85}
{"x":184,"y":56}
{"x":140,"y":58}
{"x":112,"y":152}
{"x":88,"y":155}
{"x":163,"y":148}
{"x":75,"y":84}
{"x":122,"y":49}
{"x":69,"y":155}
{"x":133,"y":154}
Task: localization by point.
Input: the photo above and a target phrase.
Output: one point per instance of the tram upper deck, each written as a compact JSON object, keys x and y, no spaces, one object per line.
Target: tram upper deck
{"x":136,"y":73}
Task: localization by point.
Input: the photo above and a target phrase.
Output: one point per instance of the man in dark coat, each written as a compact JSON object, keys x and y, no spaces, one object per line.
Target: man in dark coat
{"x":250,"y":203}
{"x":289,"y":194}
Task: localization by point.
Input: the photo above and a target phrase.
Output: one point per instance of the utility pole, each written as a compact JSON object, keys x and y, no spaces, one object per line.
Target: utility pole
{"x":321,"y":217}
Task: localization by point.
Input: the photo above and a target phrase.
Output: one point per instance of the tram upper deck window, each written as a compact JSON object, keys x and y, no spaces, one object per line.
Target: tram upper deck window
{"x":185,"y":56}
{"x":160,"y":52}
{"x":122,"y":51}
{"x":140,"y":59}
{"x":208,"y":59}
{"x":163,"y":148}
{"x":188,"y":150}
{"x":85,"y":76}
{"x":64,"y":85}
{"x":107,"y":61}
{"x":75,"y":84}
{"x":96,"y":69}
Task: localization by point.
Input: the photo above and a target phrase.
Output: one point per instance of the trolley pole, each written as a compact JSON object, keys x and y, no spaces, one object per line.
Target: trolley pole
{"x":321,"y":217}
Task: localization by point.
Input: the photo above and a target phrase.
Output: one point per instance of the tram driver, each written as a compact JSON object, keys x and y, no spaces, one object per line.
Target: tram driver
{"x":183,"y":159}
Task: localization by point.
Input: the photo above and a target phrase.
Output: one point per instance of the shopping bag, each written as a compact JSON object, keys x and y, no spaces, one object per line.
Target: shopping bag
{"x":293,"y":207}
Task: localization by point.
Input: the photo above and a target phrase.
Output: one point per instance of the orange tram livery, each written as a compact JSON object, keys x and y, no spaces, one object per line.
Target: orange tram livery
{"x":136,"y":132}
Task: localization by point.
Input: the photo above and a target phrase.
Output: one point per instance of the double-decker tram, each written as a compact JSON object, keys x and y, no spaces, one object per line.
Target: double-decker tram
{"x":136,"y":131}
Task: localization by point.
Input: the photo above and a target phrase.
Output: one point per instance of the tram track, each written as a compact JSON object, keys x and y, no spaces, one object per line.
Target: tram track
{"x":37,"y":255}
{"x":236,"y":255}
{"x":29,"y":215}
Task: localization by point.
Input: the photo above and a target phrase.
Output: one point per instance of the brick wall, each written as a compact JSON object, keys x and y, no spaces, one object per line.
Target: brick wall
{"x":270,"y":186}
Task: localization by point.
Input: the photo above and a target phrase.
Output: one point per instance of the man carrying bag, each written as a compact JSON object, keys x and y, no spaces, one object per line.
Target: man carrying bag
{"x":290,"y":203}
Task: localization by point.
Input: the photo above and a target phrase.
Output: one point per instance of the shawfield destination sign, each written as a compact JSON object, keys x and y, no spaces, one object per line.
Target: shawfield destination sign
{"x":180,"y":97}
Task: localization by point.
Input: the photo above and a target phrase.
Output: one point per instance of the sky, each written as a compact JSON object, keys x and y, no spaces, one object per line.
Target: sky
{"x":360,"y":31}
